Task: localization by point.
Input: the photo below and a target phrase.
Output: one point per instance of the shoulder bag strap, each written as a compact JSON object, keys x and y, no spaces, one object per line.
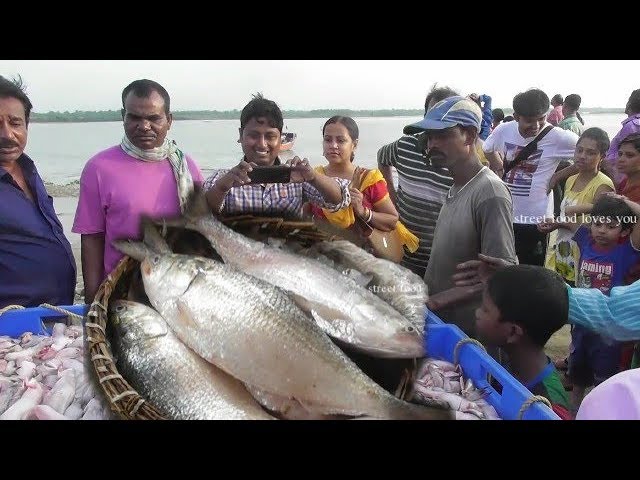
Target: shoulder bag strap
{"x":527,"y":150}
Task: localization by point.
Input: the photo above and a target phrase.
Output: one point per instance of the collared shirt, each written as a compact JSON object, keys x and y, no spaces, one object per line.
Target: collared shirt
{"x":572,"y":123}
{"x":630,"y":125}
{"x":36,"y":261}
{"x":275,"y":199}
{"x":617,"y":316}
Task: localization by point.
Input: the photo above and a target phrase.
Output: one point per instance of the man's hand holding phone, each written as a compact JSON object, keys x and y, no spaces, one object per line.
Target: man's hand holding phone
{"x":236,"y":177}
{"x":301,"y":171}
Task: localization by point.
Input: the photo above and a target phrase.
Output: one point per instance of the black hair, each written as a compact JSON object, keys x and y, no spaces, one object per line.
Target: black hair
{"x":260,"y":107}
{"x":633,"y":139}
{"x":602,"y":141}
{"x":600,"y":136}
{"x":532,"y":103}
{"x":613,"y":209}
{"x":437,"y":94}
{"x":349,"y":123}
{"x":498,"y":114}
{"x":535,"y":298}
{"x":143,"y":89}
{"x":573,"y":101}
{"x":633,"y":103}
{"x":16,"y":89}
{"x":508,"y":118}
{"x":580,"y":118}
{"x":557,"y":98}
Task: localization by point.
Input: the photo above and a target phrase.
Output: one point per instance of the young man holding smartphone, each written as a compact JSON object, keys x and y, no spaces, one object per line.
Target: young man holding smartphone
{"x":280,"y":190}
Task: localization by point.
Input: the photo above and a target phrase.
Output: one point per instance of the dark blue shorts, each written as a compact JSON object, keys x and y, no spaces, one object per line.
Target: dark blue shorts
{"x":591,"y":359}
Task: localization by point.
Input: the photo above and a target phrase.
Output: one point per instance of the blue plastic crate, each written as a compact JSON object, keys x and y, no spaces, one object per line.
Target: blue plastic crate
{"x":477,"y":364}
{"x":36,"y":320}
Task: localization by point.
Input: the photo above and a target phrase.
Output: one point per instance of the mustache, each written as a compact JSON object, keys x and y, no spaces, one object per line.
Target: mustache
{"x":7,"y":144}
{"x":435,"y":153}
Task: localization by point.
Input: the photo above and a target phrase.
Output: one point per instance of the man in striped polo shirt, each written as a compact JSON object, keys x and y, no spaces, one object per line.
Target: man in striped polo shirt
{"x":422,"y":188}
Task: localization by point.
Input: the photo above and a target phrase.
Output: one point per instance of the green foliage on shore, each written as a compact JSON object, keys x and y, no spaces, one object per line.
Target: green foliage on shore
{"x":115,"y":116}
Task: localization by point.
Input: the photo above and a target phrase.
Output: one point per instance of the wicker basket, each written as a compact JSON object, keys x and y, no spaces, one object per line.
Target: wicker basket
{"x":303,"y":232}
{"x":122,"y":397}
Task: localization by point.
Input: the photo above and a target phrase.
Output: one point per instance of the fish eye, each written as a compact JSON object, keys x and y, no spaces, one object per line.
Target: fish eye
{"x":155,"y":260}
{"x":410,"y":329}
{"x":120,"y":308}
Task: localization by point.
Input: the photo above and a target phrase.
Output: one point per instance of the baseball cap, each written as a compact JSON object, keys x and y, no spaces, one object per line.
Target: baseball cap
{"x":448,"y":113}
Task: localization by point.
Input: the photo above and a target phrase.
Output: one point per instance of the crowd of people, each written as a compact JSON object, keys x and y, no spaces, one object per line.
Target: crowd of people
{"x":517,"y":225}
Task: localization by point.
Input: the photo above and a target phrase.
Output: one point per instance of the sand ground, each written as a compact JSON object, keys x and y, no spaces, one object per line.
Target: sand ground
{"x":66,"y":209}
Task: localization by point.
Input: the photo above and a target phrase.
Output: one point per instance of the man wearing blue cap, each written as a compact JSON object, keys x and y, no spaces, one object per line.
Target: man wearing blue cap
{"x":477,"y":213}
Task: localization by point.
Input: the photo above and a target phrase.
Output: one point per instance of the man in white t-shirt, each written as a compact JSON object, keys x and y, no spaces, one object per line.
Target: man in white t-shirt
{"x":532,"y":179}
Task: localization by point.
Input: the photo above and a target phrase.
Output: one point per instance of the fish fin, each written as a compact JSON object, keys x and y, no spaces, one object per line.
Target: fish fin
{"x":325,"y":325}
{"x":301,"y":302}
{"x":185,"y":316}
{"x":326,"y":318}
{"x":152,"y":237}
{"x":197,"y":204}
{"x":314,"y":309}
{"x":136,"y":250}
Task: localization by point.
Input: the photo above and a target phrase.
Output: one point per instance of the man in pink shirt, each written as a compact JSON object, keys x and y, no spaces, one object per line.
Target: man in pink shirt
{"x":145,"y":175}
{"x":555,"y":116}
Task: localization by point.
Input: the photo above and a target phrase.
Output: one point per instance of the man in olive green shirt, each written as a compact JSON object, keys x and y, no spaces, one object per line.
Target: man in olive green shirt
{"x":477,"y":213}
{"x":571,"y":119}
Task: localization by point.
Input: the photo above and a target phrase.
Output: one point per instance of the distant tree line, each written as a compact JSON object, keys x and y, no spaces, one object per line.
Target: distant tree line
{"x":114,"y":115}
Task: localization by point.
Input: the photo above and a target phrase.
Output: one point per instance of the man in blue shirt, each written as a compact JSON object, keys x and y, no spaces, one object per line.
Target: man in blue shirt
{"x":36,"y":261}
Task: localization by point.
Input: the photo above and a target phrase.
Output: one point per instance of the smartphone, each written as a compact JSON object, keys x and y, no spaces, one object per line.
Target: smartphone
{"x":273,"y":174}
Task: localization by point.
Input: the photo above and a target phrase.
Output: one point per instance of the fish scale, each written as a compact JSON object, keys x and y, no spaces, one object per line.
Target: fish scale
{"x":347,"y":311}
{"x":170,"y":375}
{"x":253,"y":331}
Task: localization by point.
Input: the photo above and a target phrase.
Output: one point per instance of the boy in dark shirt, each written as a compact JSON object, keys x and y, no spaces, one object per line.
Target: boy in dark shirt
{"x":522,"y":306}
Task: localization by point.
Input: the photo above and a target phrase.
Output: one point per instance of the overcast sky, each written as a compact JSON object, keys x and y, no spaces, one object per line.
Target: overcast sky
{"x":61,"y":85}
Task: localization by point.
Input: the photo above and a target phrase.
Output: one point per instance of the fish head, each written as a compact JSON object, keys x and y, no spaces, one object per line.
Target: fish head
{"x":168,"y":276}
{"x":386,"y":334}
{"x":135,"y":323}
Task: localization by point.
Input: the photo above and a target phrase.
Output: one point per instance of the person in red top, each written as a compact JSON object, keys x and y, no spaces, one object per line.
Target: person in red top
{"x":628,"y":163}
{"x":555,"y":116}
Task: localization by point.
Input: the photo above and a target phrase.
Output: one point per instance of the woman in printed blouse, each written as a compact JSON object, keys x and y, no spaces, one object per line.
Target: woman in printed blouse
{"x":370,"y":202}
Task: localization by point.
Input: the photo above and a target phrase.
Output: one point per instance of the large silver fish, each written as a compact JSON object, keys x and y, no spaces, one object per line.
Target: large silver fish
{"x":345,"y":310}
{"x":253,"y":331}
{"x":400,"y":287}
{"x":172,"y":376}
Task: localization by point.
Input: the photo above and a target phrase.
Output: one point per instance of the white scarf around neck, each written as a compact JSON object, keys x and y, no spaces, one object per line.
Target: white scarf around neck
{"x":168,"y":150}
